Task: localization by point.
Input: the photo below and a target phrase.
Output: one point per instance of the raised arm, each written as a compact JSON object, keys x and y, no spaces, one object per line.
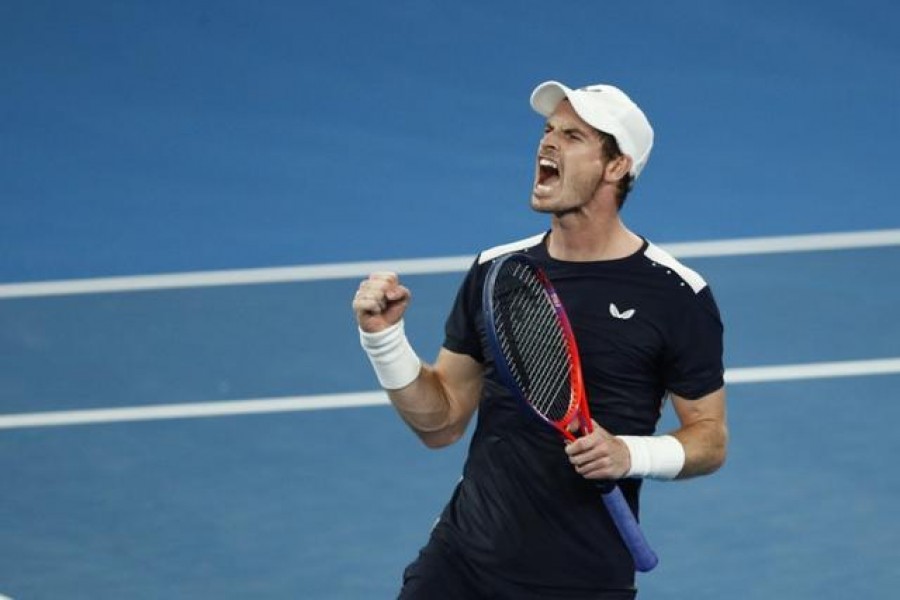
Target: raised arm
{"x":436,"y":401}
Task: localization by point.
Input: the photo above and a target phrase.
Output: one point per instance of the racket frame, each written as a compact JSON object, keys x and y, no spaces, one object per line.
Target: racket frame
{"x":578,"y":404}
{"x":644,"y":557}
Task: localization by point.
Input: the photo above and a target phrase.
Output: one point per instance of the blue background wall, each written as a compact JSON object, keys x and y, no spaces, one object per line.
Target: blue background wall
{"x":168,"y":136}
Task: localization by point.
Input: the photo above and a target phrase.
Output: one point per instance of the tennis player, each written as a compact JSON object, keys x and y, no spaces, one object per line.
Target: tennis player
{"x":526,"y":520}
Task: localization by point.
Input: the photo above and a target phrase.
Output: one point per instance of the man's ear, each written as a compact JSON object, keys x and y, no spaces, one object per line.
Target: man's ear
{"x":618,"y":168}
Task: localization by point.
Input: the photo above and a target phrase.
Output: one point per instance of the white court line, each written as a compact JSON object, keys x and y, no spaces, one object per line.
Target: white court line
{"x":426,"y":266}
{"x":189,"y":411}
{"x":735,"y":376}
{"x":821,"y":370}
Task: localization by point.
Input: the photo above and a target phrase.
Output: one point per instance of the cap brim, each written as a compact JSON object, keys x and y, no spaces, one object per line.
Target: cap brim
{"x":546,"y":97}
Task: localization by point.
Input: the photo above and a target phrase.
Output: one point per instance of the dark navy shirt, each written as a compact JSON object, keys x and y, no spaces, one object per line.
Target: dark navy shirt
{"x":645,"y":325}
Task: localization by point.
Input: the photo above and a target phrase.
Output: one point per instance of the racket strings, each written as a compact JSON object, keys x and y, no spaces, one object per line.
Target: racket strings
{"x":533,"y":343}
{"x":544,"y":370}
{"x":546,"y":362}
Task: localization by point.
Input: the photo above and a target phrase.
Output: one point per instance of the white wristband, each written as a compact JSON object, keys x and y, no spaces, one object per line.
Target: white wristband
{"x":654,"y":457}
{"x":394,"y":360}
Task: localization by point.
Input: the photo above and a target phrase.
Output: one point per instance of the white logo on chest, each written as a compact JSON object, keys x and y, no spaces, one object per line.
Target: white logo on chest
{"x":624,"y":315}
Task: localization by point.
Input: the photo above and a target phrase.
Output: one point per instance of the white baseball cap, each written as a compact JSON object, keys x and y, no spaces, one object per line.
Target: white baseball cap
{"x":606,"y":108}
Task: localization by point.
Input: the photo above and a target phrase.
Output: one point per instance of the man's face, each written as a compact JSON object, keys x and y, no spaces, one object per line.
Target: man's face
{"x":570,"y":163}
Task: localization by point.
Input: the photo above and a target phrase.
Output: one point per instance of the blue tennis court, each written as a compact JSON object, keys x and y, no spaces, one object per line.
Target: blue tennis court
{"x":191,"y":192}
{"x":332,"y":502}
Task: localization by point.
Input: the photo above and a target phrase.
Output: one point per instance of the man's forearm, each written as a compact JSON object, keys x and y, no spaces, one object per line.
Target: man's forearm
{"x":705,"y":447}
{"x":440,"y":402}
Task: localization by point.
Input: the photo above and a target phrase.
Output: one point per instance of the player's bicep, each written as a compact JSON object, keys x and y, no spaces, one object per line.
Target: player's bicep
{"x":710,"y":407}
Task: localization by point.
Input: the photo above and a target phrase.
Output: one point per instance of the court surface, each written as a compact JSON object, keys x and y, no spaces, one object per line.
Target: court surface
{"x":191,"y":191}
{"x":330,"y":496}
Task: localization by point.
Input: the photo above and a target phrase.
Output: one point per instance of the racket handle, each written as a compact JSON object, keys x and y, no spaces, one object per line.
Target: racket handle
{"x":644,"y":556}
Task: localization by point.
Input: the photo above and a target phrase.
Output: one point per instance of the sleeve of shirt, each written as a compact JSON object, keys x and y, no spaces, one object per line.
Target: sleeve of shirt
{"x":461,"y":328}
{"x":693,"y":365}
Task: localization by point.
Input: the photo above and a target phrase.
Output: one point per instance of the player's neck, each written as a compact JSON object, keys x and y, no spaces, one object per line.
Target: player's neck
{"x":608,"y":240}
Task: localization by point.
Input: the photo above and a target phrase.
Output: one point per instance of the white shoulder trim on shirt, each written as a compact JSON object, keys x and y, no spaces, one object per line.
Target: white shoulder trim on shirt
{"x":496,"y":251}
{"x":660,"y":256}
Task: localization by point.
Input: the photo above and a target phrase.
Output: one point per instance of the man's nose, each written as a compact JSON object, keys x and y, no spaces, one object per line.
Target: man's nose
{"x":548,"y":141}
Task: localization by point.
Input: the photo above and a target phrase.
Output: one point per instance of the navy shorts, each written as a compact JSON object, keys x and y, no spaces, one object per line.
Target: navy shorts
{"x":440,"y":573}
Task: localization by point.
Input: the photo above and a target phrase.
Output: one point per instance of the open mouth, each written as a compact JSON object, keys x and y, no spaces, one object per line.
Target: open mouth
{"x":548,"y":172}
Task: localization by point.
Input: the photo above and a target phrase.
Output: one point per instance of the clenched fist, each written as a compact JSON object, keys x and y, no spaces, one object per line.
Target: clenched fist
{"x":380,"y":301}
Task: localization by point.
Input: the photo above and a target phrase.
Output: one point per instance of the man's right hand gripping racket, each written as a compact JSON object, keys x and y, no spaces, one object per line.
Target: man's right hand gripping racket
{"x":536,"y":355}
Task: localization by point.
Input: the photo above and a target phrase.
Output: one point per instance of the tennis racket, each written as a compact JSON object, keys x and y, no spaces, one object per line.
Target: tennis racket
{"x":535,"y":353}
